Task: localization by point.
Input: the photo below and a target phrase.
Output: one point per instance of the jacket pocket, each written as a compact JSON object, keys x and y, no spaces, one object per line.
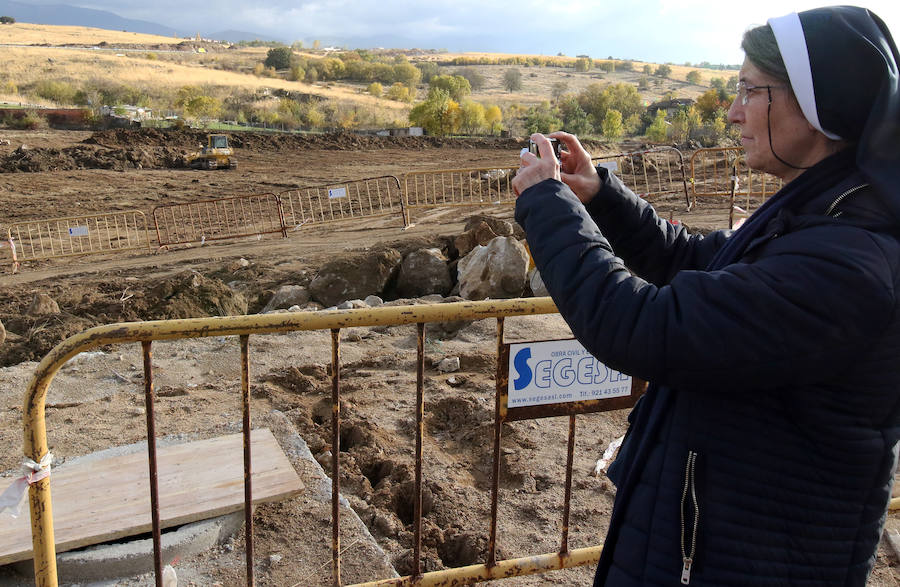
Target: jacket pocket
{"x":690,"y":518}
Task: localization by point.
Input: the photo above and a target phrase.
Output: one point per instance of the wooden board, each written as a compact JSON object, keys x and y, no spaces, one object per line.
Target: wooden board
{"x":108,"y":499}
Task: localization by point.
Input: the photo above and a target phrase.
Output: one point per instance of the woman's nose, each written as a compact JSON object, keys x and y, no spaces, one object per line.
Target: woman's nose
{"x":736,"y":112}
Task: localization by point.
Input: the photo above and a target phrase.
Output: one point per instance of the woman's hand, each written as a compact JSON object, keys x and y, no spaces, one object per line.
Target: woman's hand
{"x":577,"y":171}
{"x":534,"y":169}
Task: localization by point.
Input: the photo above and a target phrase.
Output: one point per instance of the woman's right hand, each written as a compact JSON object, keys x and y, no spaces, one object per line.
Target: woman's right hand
{"x":576,"y":169}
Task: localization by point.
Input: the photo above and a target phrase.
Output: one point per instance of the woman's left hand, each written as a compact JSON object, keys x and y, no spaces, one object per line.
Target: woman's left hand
{"x":534,"y":169}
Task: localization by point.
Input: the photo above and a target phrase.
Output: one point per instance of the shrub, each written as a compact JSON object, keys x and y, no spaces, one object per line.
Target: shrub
{"x":57,"y":91}
{"x":30,"y":121}
{"x":279,"y":58}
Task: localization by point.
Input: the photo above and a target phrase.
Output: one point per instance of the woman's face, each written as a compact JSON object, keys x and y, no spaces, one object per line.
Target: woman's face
{"x":793,"y":138}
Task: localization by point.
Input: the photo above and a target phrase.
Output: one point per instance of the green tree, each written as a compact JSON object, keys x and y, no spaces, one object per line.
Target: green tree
{"x":710,"y":102}
{"x":297,"y":74}
{"x":626,"y":65}
{"x":435,"y":113}
{"x":512,"y":80}
{"x":429,"y":70}
{"x":583,"y":64}
{"x":400,"y":92}
{"x":663,"y":71}
{"x":680,"y":129}
{"x":643,"y":83}
{"x":657,"y":130}
{"x":574,"y":119}
{"x":612,"y":125}
{"x":297,"y":45}
{"x":493,"y":116}
{"x":7,"y":20}
{"x":633,"y":125}
{"x":407,"y":74}
{"x":317,"y":44}
{"x":647,"y":70}
{"x":476,"y":80}
{"x":608,"y":66}
{"x":558,"y":89}
{"x":457,"y":86}
{"x":279,"y":58}
{"x":541,"y":119}
{"x":693,"y":77}
{"x":203,"y":107}
{"x":471,"y":117}
{"x":375,"y":89}
{"x":625,"y":98}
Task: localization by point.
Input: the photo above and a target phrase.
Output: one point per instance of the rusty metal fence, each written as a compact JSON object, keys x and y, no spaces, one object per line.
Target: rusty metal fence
{"x":713,"y":171}
{"x":222,"y":218}
{"x":459,"y":187}
{"x":243,"y":327}
{"x":652,"y":174}
{"x":77,"y":235}
{"x":370,"y":197}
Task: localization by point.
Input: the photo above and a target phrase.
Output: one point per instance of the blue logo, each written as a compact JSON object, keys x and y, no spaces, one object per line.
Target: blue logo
{"x":521,"y":364}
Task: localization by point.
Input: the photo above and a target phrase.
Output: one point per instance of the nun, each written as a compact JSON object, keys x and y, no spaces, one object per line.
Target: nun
{"x":764,"y":450}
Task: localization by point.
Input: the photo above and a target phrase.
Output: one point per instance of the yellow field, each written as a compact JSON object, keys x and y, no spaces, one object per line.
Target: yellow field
{"x":153,"y":65}
{"x":22,"y":33}
{"x":25,"y":65}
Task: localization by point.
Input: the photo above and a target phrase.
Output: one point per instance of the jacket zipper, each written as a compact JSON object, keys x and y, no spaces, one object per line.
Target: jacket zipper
{"x":841,"y":198}
{"x":687,"y":556}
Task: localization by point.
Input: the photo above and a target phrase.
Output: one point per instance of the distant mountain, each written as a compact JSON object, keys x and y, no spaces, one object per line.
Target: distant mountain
{"x":59,"y":14}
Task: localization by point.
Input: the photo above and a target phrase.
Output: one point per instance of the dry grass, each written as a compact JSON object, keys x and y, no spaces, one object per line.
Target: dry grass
{"x":22,"y":33}
{"x":160,"y":70}
{"x":26,"y":65}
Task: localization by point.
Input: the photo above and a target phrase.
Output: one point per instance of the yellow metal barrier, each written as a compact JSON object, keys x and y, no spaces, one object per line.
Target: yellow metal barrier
{"x":78,"y":235}
{"x":712,"y":171}
{"x":374,"y":196}
{"x":459,"y":187}
{"x":35,"y":433}
{"x":221,"y":218}
{"x":651,"y":173}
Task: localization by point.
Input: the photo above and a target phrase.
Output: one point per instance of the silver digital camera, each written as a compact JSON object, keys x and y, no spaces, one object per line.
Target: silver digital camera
{"x":555,"y":143}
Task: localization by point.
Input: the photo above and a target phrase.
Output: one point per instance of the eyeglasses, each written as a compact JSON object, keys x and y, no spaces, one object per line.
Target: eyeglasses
{"x":745,"y":90}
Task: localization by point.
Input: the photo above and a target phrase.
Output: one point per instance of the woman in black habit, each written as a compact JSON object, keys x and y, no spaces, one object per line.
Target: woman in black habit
{"x":764,"y":451}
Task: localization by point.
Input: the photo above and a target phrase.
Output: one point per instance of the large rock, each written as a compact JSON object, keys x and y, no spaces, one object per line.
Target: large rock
{"x":43,"y":305}
{"x":287,"y":296}
{"x":422,"y":273}
{"x":498,"y":225}
{"x":479,"y":234}
{"x":497,"y":270}
{"x":355,"y":277}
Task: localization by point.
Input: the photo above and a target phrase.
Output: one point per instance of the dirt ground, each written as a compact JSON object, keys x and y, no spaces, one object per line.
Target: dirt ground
{"x":96,"y":401}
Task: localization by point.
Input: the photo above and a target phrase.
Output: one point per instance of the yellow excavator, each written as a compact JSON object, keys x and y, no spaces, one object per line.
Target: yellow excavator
{"x":215,"y":155}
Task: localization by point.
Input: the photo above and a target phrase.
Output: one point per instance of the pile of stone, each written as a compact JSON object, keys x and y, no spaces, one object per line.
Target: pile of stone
{"x":487,"y":261}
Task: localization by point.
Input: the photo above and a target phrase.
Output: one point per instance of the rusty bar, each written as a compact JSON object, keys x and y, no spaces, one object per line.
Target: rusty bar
{"x":248,"y":463}
{"x":495,"y":477}
{"x":567,"y":504}
{"x":151,"y":451}
{"x":519,"y":567}
{"x":420,"y":431}
{"x":335,"y":451}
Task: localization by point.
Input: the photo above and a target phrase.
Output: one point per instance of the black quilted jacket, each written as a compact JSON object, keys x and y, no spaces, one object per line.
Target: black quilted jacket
{"x":765,"y":454}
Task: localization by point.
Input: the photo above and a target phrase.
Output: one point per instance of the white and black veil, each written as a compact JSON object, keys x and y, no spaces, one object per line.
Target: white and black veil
{"x":842,"y":64}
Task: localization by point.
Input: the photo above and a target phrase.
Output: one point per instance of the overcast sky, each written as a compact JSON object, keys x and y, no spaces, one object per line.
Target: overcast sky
{"x":649,"y":30}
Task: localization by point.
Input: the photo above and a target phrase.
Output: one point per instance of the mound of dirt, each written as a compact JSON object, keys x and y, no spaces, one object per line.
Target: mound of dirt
{"x":89,"y":157}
